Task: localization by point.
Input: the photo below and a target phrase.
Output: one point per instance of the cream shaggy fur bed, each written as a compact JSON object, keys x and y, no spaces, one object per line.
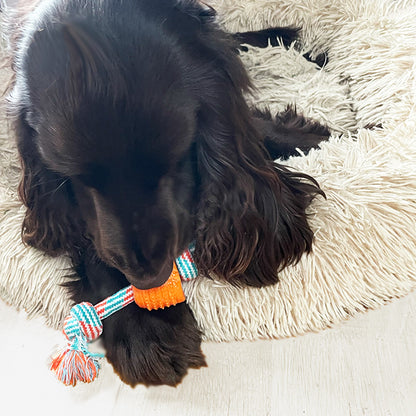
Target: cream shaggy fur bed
{"x":365,"y":232}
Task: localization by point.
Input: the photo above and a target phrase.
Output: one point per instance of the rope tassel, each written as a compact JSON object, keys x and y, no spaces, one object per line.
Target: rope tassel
{"x":84,"y":323}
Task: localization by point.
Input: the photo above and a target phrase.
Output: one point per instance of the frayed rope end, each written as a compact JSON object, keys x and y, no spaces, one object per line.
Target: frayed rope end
{"x":76,"y":363}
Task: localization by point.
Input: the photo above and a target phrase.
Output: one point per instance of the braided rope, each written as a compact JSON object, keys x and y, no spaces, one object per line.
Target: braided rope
{"x":83,"y":325}
{"x":186,"y":265}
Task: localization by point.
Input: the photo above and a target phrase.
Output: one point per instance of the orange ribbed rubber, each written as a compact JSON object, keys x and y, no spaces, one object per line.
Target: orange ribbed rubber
{"x":169,"y":294}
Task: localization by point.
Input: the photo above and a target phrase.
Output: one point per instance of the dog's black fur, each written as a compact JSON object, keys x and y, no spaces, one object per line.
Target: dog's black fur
{"x":135,"y":139}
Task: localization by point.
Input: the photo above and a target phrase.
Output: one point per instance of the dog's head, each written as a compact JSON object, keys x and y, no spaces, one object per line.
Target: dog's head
{"x":133,"y":174}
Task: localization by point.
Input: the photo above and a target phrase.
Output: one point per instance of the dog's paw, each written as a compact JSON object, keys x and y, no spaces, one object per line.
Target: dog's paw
{"x":153,"y":348}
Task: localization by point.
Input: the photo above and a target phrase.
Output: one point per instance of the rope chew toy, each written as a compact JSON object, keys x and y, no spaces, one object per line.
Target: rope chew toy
{"x":83,"y":325}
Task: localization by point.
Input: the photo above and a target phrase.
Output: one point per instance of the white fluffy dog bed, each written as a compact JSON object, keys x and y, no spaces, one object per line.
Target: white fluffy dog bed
{"x":365,"y":232}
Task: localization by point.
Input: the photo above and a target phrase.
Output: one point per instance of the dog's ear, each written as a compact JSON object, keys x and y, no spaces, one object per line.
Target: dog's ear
{"x":251,"y":220}
{"x":51,"y":223}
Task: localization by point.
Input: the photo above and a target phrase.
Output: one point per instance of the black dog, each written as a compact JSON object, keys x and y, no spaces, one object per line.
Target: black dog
{"x":135,"y":140}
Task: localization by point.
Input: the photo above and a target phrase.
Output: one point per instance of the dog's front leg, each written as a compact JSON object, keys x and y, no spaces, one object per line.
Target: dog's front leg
{"x":153,"y":347}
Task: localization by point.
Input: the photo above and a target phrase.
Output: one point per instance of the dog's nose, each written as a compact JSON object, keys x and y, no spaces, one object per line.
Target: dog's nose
{"x":149,"y":281}
{"x":139,"y":271}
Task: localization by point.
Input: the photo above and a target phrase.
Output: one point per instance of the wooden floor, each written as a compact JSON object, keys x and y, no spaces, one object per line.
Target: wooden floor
{"x":366,"y":366}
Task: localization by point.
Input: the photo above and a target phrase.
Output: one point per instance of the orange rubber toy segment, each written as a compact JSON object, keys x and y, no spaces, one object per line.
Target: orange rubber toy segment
{"x":169,"y":294}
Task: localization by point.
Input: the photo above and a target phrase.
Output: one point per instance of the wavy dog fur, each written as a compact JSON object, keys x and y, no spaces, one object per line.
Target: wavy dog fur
{"x":135,"y":139}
